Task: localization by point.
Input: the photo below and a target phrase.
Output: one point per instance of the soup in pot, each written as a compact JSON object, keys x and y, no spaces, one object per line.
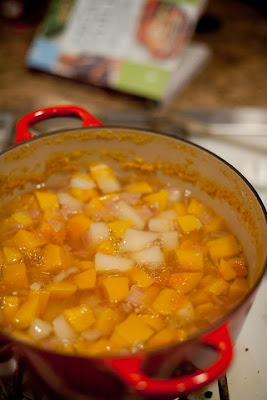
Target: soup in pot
{"x":103,"y":265}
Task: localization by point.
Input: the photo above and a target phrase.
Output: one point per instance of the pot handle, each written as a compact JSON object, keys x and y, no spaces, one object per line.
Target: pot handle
{"x":130,"y":369}
{"x":23,"y":133}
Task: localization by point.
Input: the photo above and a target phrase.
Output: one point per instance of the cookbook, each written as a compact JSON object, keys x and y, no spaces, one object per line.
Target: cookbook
{"x":141,"y":47}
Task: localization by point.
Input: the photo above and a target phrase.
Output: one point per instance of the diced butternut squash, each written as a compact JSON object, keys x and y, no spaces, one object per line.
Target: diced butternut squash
{"x":189,"y":223}
{"x":106,"y":320}
{"x":83,"y":195}
{"x":200,"y":297}
{"x":84,"y":265}
{"x":54,"y":258}
{"x":9,"y":307}
{"x":205,"y":309}
{"x":189,"y":260}
{"x":167,"y":301}
{"x":61,"y":290}
{"x":82,"y":187}
{"x":107,"y":247}
{"x":151,"y":293}
{"x":216,"y":223}
{"x":226,"y":270}
{"x":139,"y":277}
{"x":239,"y":265}
{"x":15,"y":276}
{"x":94,"y":206}
{"x":53,"y":230}
{"x":85,"y":279}
{"x":11,"y":254}
{"x":26,"y":240}
{"x":116,"y":287}
{"x":23,"y":218}
{"x":223,"y":247}
{"x":156,"y":322}
{"x":180,"y":208}
{"x":134,"y":329}
{"x":140,"y":187}
{"x":47,"y":200}
{"x":184,"y":282}
{"x":166,"y":336}
{"x":218,"y":287}
{"x":43,"y":298}
{"x":195,"y":207}
{"x":117,"y":342}
{"x":76,"y":227}
{"x":26,"y":313}
{"x":160,"y":199}
{"x":238,"y":288}
{"x":80,"y":318}
{"x":119,"y":227}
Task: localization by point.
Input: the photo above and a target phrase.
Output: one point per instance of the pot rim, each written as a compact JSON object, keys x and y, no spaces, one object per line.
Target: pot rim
{"x":198,"y":334}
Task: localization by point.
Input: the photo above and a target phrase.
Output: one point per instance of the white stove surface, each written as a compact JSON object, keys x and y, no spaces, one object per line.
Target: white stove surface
{"x":247,"y":376}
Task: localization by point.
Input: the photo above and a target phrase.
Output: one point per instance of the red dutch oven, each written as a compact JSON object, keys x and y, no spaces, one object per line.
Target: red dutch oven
{"x":164,"y":372}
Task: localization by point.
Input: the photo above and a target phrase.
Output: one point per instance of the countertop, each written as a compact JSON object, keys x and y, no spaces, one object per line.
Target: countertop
{"x":235,"y":74}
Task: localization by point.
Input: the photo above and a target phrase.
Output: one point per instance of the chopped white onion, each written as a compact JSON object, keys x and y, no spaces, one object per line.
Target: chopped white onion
{"x":125,"y":211}
{"x":169,"y":215}
{"x":78,"y":182}
{"x":106,"y":262}
{"x":175,"y":194}
{"x":135,"y":296}
{"x":40,"y":329}
{"x":56,"y":224}
{"x":186,"y":312}
{"x":94,"y":334}
{"x":135,"y":240}
{"x":152,"y":257}
{"x":99,"y":232}
{"x":169,"y":240}
{"x":65,"y":274}
{"x":130,"y":198}
{"x":105,"y":180}
{"x":36,"y":286}
{"x":69,"y":203}
{"x":159,"y":225}
{"x":62,"y":329}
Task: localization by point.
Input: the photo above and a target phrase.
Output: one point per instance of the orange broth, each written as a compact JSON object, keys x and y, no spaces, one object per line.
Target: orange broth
{"x":102,"y":266}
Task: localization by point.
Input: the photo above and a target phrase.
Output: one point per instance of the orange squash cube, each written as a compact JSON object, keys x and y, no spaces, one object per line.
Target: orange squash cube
{"x":166,"y":336}
{"x":107,"y":247}
{"x":23,"y":218}
{"x":116,"y":287}
{"x":80,"y":318}
{"x":54,"y":258}
{"x":26,"y":240}
{"x":238,"y":288}
{"x":10,"y":306}
{"x":61,"y":290}
{"x":216,"y":223}
{"x":180,"y":208}
{"x":26,"y":313}
{"x":167,"y":301}
{"x":106,"y":320}
{"x":15,"y":276}
{"x":195,"y":207}
{"x":119,"y":227}
{"x":184,"y":282}
{"x":223,"y":247}
{"x":76,"y":227}
{"x":11,"y":254}
{"x":134,"y":329}
{"x":43,"y":298}
{"x":85,"y":279}
{"x":226,"y":270}
{"x":84,"y":265}
{"x":139,"y":187}
{"x":46,"y":200}
{"x":156,"y":322}
{"x":160,"y":199}
{"x":139,"y":277}
{"x":239,"y":265}
{"x":151,"y":293}
{"x":189,"y":260}
{"x":189,"y":223}
{"x":218,"y":287}
{"x":83,"y":195}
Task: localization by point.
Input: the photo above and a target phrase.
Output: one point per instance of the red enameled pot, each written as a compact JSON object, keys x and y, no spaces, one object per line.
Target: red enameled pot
{"x":163,"y":373}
